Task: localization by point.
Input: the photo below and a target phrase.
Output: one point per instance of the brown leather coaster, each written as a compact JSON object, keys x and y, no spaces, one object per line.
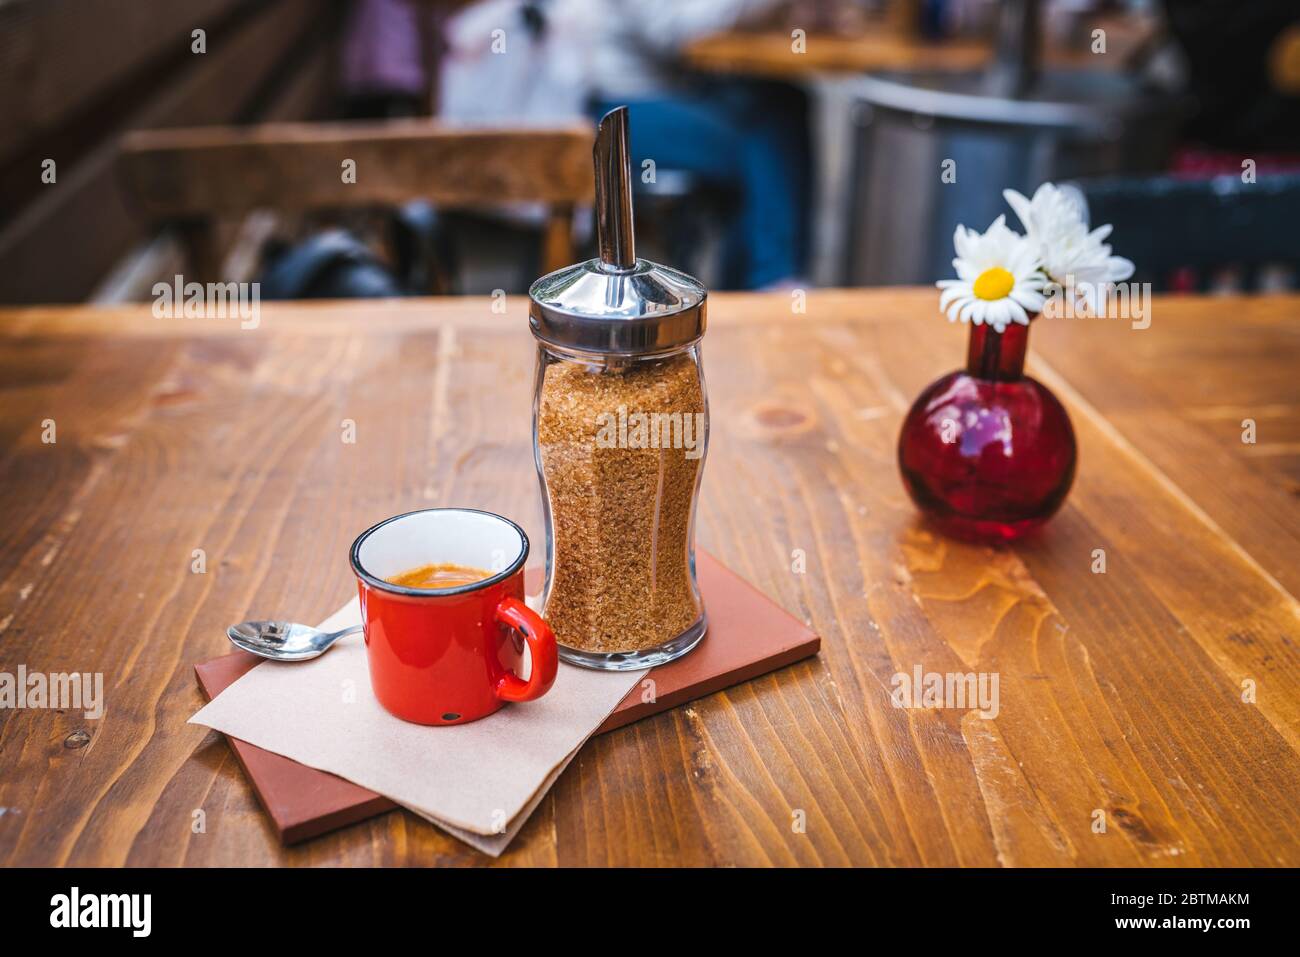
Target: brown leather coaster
{"x":749,"y":635}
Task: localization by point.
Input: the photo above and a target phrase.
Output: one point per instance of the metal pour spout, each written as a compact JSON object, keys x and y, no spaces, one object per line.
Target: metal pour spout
{"x":616,"y":306}
{"x":613,"y":161}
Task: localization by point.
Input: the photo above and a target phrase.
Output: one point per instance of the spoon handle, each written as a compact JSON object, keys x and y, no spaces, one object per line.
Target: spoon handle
{"x":351,"y":630}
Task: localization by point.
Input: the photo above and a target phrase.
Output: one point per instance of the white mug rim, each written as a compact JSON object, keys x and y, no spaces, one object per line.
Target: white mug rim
{"x":374,"y":581}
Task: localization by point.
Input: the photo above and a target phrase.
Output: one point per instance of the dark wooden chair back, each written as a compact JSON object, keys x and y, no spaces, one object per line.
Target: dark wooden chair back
{"x":1167,"y":224}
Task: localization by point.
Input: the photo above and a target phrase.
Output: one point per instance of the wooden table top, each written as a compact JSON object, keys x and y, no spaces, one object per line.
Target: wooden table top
{"x":883,"y":46}
{"x":1123,"y":694}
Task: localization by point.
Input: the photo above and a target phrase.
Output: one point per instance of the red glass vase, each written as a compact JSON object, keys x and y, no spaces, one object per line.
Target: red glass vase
{"x":987,"y":452}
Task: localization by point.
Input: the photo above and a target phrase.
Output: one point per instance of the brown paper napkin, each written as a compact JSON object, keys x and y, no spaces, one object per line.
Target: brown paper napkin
{"x":479,"y":781}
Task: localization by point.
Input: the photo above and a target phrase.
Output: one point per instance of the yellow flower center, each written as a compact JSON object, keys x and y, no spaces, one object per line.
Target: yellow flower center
{"x":995,"y":283}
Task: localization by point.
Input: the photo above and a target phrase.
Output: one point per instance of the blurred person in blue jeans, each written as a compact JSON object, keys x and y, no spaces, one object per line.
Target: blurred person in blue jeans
{"x":549,"y":60}
{"x":751,"y":139}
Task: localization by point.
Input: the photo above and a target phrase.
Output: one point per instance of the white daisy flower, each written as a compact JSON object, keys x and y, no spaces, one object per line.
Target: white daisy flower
{"x":999,"y":278}
{"x":1077,"y":260}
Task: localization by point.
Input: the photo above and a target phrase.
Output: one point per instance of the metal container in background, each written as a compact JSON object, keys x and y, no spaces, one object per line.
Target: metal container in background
{"x":1011,"y":126}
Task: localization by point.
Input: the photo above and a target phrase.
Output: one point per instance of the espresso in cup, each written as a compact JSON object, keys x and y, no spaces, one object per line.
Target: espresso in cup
{"x":442,"y":575}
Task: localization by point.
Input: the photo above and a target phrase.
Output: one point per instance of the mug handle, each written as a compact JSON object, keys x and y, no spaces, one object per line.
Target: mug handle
{"x":541,"y":645}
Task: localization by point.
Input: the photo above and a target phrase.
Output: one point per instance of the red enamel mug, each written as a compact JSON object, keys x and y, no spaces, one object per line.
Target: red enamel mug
{"x":450,"y":655}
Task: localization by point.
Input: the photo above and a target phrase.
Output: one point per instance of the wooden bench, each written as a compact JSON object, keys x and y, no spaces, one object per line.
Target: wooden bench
{"x":193,"y":178}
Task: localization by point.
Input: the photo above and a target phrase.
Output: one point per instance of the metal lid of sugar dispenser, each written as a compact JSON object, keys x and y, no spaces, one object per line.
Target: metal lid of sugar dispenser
{"x":616,"y":304}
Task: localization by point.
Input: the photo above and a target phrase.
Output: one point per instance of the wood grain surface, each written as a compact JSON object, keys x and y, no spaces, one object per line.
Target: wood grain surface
{"x":1125,"y":696}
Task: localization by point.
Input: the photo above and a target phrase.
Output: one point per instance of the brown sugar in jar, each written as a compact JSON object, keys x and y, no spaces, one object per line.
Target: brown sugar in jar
{"x":620,"y":449}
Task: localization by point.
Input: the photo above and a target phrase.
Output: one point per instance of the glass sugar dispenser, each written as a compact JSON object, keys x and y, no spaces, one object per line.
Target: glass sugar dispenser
{"x":620,"y":432}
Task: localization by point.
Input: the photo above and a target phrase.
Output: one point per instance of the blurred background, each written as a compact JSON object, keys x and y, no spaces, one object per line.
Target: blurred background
{"x":334,"y":148}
